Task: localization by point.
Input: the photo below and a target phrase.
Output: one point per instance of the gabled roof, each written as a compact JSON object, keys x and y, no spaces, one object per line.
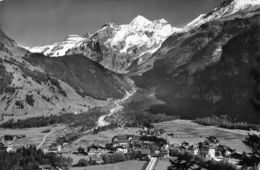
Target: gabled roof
{"x":120,"y":138}
{"x":95,"y":146}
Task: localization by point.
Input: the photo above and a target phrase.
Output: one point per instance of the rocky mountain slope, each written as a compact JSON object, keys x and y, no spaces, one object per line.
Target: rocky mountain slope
{"x":227,"y":10}
{"x":212,"y":68}
{"x":33,"y":84}
{"x":116,"y":47}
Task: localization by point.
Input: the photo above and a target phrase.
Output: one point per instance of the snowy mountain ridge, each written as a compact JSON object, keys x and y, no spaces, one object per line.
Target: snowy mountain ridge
{"x":58,"y":48}
{"x":127,"y":42}
{"x":139,"y":24}
{"x":227,"y":10}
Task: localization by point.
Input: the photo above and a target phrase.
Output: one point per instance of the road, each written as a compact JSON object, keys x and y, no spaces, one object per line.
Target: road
{"x":43,"y":140}
{"x":152,"y":163}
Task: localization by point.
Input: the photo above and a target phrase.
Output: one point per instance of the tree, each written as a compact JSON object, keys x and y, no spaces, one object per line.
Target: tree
{"x":82,"y":163}
{"x":253,"y":141}
{"x":253,"y":159}
{"x":106,"y":158}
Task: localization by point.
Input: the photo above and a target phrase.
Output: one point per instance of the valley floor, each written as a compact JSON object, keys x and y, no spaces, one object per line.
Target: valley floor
{"x":180,"y":130}
{"x":34,"y":136}
{"x":186,"y":130}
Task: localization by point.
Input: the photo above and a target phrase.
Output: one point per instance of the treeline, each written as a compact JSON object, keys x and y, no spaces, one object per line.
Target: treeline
{"x":30,"y":158}
{"x":225,"y":121}
{"x":140,"y":119}
{"x":87,"y":119}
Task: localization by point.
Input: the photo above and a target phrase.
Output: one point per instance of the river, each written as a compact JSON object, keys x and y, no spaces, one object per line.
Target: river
{"x":101,"y":121}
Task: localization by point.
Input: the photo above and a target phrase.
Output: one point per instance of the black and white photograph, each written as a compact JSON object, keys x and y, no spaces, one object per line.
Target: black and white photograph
{"x":129,"y":84}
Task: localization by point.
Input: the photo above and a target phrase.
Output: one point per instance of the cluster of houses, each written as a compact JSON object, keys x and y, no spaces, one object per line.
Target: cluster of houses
{"x":7,"y":140}
{"x":209,"y":149}
{"x":122,"y":144}
{"x":143,"y":143}
{"x":146,"y":143}
{"x":150,"y":132}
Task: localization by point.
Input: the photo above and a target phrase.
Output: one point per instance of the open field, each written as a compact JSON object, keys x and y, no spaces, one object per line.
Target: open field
{"x":186,"y":130}
{"x":127,"y":165}
{"x":162,"y":165}
{"x":34,"y":136}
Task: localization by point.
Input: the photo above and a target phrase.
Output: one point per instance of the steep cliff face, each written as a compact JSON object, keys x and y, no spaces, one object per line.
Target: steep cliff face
{"x":212,"y":69}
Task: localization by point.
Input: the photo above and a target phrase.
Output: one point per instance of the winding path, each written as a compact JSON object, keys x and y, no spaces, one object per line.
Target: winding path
{"x":43,"y":140}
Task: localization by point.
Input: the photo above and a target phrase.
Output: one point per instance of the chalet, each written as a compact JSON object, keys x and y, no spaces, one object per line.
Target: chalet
{"x":211,"y":153}
{"x":3,"y":147}
{"x":164,"y":152}
{"x":96,"y":149}
{"x":55,"y":149}
{"x":195,"y":150}
{"x":120,"y":140}
{"x":122,"y":149}
{"x":134,"y":138}
{"x":225,"y":151}
{"x":145,"y":152}
{"x":9,"y":148}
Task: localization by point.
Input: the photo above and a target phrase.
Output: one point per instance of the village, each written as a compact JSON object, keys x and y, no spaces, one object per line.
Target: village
{"x":147,"y":145}
{"x":150,"y":145}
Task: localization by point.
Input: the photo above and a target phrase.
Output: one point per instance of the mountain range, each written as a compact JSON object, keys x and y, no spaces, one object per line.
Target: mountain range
{"x":210,"y":66}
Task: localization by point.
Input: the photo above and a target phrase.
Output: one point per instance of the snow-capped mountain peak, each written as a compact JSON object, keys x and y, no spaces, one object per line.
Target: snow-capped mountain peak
{"x":141,"y":36}
{"x":140,"y":21}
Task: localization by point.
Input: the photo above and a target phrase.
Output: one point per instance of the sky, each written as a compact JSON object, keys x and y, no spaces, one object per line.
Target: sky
{"x":40,"y":22}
